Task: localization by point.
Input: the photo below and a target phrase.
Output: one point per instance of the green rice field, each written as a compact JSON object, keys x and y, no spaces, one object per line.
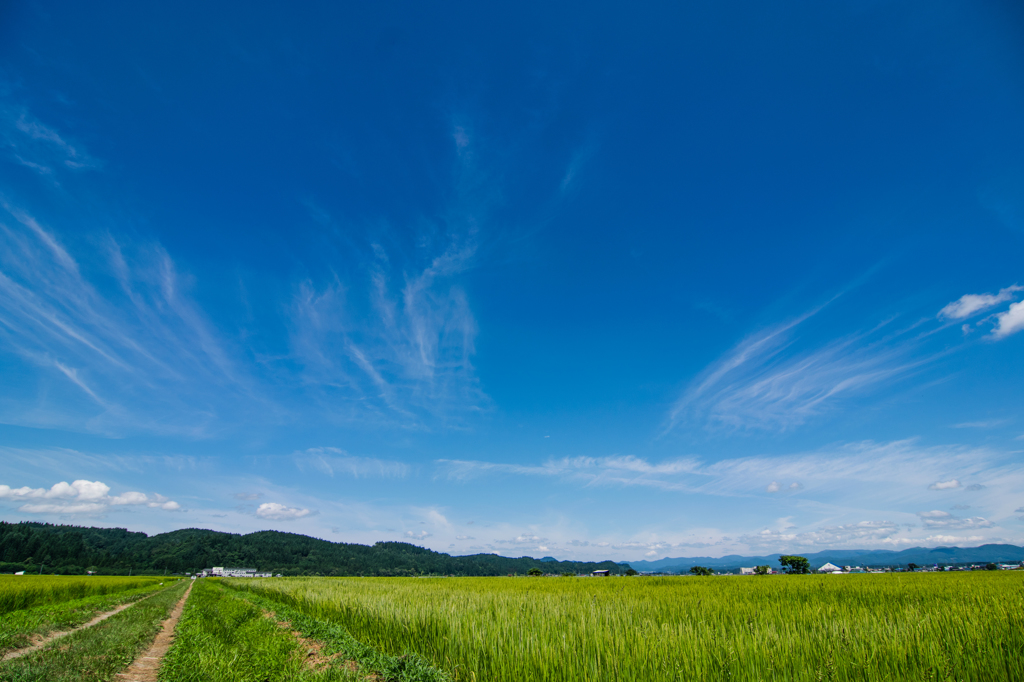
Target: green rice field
{"x":101,"y":652}
{"x":922,"y":626}
{"x":25,"y":591}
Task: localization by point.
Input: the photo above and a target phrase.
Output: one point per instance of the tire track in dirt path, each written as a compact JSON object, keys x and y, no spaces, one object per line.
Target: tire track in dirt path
{"x":39,"y":644}
{"x":315,"y":659}
{"x":146,"y":666}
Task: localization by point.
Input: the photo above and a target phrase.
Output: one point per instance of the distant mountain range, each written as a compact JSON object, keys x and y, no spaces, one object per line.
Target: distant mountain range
{"x":43,"y":547}
{"x":921,"y":556}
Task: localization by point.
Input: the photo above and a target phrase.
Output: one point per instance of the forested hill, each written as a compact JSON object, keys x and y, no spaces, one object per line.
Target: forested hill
{"x":75,"y":549}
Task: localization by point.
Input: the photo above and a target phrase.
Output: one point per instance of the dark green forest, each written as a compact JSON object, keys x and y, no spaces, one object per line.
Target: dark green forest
{"x":48,"y":548}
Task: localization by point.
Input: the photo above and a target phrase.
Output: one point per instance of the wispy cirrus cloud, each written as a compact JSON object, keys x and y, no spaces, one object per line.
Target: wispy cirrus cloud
{"x":763,"y":383}
{"x":408,"y":355}
{"x":110,"y":336}
{"x":329,"y":461}
{"x":132,"y":349}
{"x":772,"y":381}
{"x":38,"y":146}
{"x":984,"y":424}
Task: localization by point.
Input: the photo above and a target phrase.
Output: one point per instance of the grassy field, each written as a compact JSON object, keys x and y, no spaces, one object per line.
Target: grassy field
{"x":25,"y":591}
{"x":933,"y":626}
{"x":224,"y":636}
{"x":100,"y":652}
{"x":17,"y":627}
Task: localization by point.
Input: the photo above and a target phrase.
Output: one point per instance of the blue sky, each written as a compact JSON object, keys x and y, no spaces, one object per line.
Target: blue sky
{"x":582,"y":281}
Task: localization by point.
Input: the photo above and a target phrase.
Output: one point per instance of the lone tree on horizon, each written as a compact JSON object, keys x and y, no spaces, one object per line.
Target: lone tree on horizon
{"x":795,"y":564}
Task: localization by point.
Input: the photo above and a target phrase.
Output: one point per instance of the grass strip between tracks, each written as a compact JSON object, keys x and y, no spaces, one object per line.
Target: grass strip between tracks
{"x":226,"y":636}
{"x":97,"y":653}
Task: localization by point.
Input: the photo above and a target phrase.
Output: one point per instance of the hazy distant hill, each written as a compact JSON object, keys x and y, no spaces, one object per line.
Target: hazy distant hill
{"x":73,"y":549}
{"x":861,"y":557}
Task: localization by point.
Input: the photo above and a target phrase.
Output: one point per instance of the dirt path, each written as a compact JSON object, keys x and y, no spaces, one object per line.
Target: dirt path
{"x":315,"y":659}
{"x":146,"y":666}
{"x":41,"y":642}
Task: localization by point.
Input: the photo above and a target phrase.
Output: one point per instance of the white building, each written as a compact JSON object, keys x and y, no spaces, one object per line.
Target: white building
{"x":747,"y":571}
{"x":830,"y":568}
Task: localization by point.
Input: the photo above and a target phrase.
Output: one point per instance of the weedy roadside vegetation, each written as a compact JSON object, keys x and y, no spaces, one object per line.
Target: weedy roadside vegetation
{"x":19,"y":627}
{"x":227,"y":637}
{"x":968,"y":626}
{"x":25,"y":591}
{"x":99,"y":652}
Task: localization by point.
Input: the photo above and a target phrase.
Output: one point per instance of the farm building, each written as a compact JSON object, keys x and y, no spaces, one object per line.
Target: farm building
{"x":601,"y":574}
{"x":830,"y":568}
{"x":234,"y":572}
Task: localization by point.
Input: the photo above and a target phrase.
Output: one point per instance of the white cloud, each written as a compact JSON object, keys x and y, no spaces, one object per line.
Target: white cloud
{"x":945,"y":485}
{"x":941,"y":519}
{"x":1010,"y":322}
{"x":464,"y":537}
{"x":523,"y":539}
{"x":773,"y":487}
{"x":422,"y":535}
{"x":436,"y":518}
{"x":845,"y":535}
{"x":970,"y":304}
{"x":130,"y":498}
{"x":954,"y":539}
{"x":67,"y":508}
{"x":80,"y":497}
{"x":161,"y":502}
{"x":279,"y":512}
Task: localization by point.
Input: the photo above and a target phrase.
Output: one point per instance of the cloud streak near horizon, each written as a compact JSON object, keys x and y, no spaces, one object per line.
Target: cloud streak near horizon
{"x":862,"y":475}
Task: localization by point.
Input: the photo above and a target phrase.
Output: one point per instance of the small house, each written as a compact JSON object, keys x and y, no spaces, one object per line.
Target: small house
{"x":601,"y":574}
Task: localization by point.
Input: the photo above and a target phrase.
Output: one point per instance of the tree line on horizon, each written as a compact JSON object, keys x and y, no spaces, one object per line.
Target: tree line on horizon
{"x":73,"y":550}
